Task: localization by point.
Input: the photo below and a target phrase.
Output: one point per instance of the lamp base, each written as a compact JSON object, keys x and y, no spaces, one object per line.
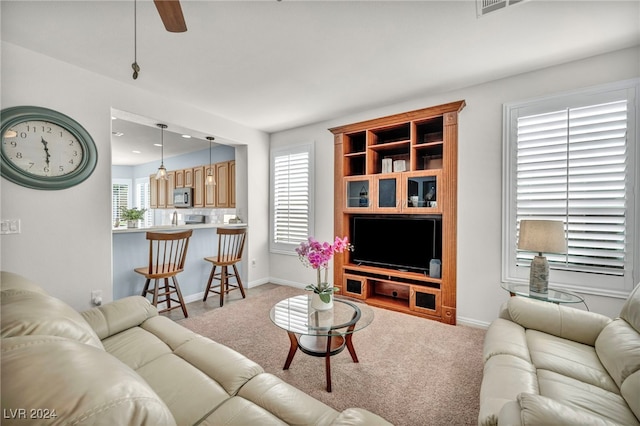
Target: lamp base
{"x":539,"y":276}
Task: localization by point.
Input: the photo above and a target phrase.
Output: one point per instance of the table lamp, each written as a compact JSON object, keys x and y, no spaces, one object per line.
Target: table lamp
{"x":542,"y":236}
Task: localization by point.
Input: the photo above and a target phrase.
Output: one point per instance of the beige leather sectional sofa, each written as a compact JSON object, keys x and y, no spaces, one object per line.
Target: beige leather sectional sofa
{"x":123,"y":364}
{"x":547,"y":364}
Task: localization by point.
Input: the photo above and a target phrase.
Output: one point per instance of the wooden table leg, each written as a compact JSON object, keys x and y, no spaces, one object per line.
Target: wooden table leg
{"x":292,"y":349}
{"x":327,"y":362}
{"x":350,"y":347}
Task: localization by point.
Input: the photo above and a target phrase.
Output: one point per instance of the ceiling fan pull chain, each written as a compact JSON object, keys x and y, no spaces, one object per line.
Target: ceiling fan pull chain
{"x":134,"y":65}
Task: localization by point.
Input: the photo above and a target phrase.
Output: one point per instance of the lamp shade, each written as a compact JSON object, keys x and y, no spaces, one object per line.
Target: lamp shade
{"x":542,"y":236}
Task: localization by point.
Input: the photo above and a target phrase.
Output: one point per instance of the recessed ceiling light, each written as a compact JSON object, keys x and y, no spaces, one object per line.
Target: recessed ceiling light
{"x":136,"y":152}
{"x":118,"y":134}
{"x":157,"y":144}
{"x":186,"y":136}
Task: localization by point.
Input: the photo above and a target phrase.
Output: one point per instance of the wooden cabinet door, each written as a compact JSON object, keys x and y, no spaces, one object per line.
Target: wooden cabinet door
{"x":209,"y":190}
{"x":425,"y":300}
{"x":386,"y":189}
{"x":171,"y":185}
{"x":188,"y":178}
{"x":198,"y":186}
{"x":232,"y":183}
{"x":153,"y":192}
{"x":179,"y":178}
{"x":222,"y":184}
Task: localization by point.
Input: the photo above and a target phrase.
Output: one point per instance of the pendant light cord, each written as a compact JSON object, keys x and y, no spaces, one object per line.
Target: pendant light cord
{"x":134,"y":65}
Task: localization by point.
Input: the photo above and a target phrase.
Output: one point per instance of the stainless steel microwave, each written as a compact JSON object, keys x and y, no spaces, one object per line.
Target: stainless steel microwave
{"x":183,"y":197}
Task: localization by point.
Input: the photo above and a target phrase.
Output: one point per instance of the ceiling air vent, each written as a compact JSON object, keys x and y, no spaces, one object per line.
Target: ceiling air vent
{"x":488,"y":6}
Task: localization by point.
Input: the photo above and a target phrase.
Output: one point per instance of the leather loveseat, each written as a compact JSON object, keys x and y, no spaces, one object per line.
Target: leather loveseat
{"x":547,"y":364}
{"x":123,"y":364}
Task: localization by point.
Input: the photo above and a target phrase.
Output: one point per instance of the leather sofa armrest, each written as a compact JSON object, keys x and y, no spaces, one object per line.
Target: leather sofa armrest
{"x":358,"y":416}
{"x":558,"y":320}
{"x":119,"y":315}
{"x":540,"y":410}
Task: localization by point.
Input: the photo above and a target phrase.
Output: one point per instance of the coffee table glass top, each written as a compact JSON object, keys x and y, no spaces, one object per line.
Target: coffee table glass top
{"x":296,"y":315}
{"x":554,"y":295}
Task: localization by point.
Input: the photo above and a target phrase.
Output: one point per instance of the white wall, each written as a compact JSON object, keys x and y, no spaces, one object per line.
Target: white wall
{"x":479,"y":184}
{"x":65,"y":243}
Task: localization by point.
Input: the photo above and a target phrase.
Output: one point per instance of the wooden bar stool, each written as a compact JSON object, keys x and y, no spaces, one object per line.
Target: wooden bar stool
{"x":230,"y":246}
{"x":167,"y":252}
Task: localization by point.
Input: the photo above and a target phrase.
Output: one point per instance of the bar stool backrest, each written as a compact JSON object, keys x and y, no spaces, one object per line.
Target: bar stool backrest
{"x":167,"y":252}
{"x":230,"y":245}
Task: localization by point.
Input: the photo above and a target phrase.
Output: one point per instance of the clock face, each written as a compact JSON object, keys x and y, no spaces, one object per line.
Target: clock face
{"x":42,"y":148}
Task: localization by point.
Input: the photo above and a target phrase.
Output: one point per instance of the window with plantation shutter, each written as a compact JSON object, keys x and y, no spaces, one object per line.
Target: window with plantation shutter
{"x":143,"y":200}
{"x":291,"y":197}
{"x":120,"y":196}
{"x":573,"y":158}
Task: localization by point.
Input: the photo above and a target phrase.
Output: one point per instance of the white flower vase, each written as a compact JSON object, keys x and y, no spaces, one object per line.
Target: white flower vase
{"x":318,"y":304}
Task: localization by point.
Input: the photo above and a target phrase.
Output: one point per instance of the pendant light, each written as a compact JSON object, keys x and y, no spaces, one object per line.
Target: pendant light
{"x":210,"y":180}
{"x":162,"y":171}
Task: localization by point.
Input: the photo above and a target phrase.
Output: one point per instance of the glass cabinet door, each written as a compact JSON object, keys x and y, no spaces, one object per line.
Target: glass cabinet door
{"x":358,"y":193}
{"x":387,"y":190}
{"x":421,"y":192}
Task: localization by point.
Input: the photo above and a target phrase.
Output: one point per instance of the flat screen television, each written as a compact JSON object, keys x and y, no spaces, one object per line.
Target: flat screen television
{"x":396,"y":242}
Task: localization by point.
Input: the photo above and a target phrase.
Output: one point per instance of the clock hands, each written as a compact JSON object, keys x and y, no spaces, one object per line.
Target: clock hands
{"x":46,"y":149}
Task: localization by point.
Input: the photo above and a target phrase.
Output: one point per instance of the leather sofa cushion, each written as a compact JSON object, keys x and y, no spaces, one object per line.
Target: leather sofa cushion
{"x":504,"y":377}
{"x":630,"y":311}
{"x":562,"y":321}
{"x":586,"y":397}
{"x":618,"y":347}
{"x":83,"y":384}
{"x":569,"y":358}
{"x":113,"y":318}
{"x":241,"y":412}
{"x":27,"y":312}
{"x":630,"y":391}
{"x":532,"y":409}
{"x":188,"y":392}
{"x":10,"y":280}
{"x":505,"y":338}
{"x":286,"y":402}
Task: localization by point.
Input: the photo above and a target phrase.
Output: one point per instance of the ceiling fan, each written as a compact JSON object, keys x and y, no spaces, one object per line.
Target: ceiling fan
{"x":171,"y":15}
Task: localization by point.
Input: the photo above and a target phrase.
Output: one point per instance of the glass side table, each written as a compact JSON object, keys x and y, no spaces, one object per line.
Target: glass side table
{"x":554,"y":295}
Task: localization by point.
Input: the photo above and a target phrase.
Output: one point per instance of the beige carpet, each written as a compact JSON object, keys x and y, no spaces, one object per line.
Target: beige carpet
{"x":412,"y":371}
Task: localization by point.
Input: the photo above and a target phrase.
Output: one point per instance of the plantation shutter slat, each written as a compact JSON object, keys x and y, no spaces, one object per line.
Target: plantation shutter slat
{"x":291,"y":198}
{"x":571,"y":166}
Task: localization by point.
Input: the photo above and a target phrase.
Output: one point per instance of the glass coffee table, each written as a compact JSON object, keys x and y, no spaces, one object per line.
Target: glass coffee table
{"x":320,"y":333}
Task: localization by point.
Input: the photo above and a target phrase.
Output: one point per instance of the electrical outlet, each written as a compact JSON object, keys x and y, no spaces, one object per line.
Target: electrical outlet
{"x":96,"y":297}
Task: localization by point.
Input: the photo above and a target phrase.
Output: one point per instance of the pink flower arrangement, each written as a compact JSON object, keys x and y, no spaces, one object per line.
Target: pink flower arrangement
{"x":317,"y":255}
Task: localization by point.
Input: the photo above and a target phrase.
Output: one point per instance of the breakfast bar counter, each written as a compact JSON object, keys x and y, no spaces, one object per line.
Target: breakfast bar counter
{"x":131,"y":250}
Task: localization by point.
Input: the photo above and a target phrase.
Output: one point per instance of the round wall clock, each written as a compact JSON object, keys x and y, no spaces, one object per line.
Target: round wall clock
{"x":45,"y":149}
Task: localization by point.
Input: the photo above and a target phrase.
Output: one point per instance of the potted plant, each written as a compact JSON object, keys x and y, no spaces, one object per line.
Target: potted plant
{"x":132,"y":216}
{"x":317,"y":255}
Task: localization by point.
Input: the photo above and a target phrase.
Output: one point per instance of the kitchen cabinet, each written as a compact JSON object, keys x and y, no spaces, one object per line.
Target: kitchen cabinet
{"x":161,"y":191}
{"x":221,"y":195}
{"x":222,"y":182}
{"x":198,"y":186}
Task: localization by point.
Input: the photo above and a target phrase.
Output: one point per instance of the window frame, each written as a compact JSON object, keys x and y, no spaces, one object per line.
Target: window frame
{"x":584,"y":282}
{"x":288,"y":248}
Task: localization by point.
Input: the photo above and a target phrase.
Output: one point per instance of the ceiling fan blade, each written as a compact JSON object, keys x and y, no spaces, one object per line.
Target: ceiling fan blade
{"x":171,"y":15}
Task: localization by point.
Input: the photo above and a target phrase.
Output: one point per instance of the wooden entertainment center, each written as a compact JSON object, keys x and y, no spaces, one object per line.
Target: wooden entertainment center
{"x":403,"y":165}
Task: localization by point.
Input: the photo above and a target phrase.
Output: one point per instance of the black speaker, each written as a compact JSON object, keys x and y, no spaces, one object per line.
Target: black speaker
{"x":354,"y":286}
{"x":425,"y":300}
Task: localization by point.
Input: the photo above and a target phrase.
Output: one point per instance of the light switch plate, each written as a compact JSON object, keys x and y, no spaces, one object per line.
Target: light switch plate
{"x":10,"y":226}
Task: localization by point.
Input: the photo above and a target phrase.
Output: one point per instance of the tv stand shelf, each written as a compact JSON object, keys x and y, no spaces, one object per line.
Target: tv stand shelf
{"x":399,"y":166}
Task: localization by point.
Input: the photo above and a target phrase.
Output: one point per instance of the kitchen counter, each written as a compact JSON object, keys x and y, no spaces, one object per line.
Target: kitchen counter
{"x":177,"y":227}
{"x":131,"y":250}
